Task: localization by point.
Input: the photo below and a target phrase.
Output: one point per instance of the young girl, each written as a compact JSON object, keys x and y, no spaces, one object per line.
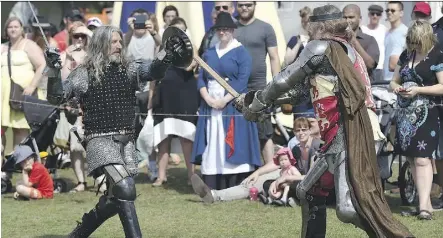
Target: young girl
{"x":286,"y":161}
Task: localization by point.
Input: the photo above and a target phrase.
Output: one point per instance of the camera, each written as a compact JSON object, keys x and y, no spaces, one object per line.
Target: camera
{"x":139,"y":22}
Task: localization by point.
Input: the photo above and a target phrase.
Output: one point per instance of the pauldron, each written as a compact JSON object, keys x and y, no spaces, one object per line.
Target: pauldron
{"x":292,"y":80}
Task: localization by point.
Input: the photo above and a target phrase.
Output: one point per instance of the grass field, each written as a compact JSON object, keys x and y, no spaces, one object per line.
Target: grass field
{"x":174,"y":211}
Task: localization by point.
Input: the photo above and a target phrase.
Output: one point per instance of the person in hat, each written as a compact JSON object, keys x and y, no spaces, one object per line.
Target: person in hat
{"x":37,"y":36}
{"x":331,"y":72}
{"x":286,"y":161}
{"x":62,"y":37}
{"x":93,"y":23}
{"x":226,"y":143}
{"x":36,"y":183}
{"x":422,"y":11}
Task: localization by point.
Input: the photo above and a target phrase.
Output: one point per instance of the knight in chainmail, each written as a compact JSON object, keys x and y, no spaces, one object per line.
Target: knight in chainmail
{"x":333,"y":74}
{"x":104,"y":86}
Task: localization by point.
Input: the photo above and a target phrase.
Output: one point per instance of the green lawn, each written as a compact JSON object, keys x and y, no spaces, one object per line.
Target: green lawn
{"x":174,"y":211}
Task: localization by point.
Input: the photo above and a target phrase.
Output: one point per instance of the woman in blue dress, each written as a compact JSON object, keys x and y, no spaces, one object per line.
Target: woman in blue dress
{"x":418,"y":82}
{"x":226,"y":145}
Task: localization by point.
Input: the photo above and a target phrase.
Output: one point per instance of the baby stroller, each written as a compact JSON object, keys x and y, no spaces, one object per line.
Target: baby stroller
{"x":387,"y":151}
{"x":42,"y":119}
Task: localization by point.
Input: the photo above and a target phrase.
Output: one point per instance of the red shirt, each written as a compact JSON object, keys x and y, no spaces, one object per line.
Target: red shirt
{"x":41,"y":180}
{"x":61,"y":39}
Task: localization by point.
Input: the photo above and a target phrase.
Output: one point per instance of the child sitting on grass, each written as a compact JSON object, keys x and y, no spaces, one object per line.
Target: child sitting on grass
{"x":37,"y":183}
{"x":286,"y":160}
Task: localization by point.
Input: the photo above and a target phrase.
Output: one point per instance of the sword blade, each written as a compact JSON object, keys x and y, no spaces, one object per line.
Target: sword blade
{"x":217,"y":77}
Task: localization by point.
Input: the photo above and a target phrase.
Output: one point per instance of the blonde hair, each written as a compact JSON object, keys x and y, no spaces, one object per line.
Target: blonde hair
{"x":304,"y":12}
{"x":421,"y":33}
{"x":73,"y":28}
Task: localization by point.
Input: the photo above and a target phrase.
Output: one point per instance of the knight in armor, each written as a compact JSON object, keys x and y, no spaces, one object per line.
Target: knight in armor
{"x":331,"y":72}
{"x":104,"y":86}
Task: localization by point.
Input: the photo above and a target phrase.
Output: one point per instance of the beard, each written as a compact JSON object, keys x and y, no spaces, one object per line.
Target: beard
{"x":248,"y":17}
{"x":115,"y":58}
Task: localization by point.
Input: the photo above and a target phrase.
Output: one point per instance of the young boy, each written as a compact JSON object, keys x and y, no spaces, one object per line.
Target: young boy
{"x":37,"y":183}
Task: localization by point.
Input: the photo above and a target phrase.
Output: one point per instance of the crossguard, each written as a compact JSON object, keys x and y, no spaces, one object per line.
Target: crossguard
{"x":183,"y":58}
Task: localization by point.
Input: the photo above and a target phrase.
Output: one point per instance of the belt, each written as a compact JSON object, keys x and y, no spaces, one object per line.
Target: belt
{"x":120,"y":132}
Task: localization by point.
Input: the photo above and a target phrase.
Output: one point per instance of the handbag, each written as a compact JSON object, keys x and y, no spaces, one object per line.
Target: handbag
{"x":62,"y":133}
{"x":16,"y":97}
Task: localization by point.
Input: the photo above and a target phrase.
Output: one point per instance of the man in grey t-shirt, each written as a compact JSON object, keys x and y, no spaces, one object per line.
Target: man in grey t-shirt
{"x":259,"y":39}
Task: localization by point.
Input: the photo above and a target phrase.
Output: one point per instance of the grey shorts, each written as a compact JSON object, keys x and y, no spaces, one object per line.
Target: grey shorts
{"x":265,"y":129}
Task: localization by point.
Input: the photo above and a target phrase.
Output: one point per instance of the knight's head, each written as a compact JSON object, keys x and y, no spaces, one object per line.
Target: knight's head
{"x":327,"y":22}
{"x":105,"y":46}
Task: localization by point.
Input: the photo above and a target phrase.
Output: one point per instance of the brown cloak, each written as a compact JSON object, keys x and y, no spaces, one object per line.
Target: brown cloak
{"x":363,"y":172}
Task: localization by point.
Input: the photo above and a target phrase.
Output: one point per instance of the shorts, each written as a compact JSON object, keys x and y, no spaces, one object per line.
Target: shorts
{"x":265,"y":129}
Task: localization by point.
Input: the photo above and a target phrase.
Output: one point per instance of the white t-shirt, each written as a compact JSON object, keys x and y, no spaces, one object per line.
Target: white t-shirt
{"x":379,"y":34}
{"x":142,"y":48}
{"x":395,"y":42}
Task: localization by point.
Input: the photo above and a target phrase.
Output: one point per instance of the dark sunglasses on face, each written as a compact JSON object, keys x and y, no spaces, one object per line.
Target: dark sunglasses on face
{"x":248,"y":5}
{"x":77,"y":36}
{"x":217,"y":8}
{"x":390,"y":10}
{"x":375,"y":13}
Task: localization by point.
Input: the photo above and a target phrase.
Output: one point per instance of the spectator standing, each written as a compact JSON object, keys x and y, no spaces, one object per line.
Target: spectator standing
{"x":259,"y":39}
{"x":37,"y":34}
{"x":226,"y":144}
{"x":438,"y":31}
{"x":26,"y":62}
{"x":73,"y":56}
{"x":378,"y":31}
{"x":395,"y":38}
{"x":211,"y":37}
{"x":422,"y":11}
{"x":142,"y":43}
{"x":62,"y":37}
{"x":176,"y":100}
{"x":418,"y":80}
{"x":169,"y":13}
{"x":364,"y":44}
{"x":93,"y":23}
{"x":297,"y":43}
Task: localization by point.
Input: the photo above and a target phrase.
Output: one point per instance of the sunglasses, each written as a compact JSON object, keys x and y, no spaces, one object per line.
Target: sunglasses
{"x":248,"y":5}
{"x":223,"y":29}
{"x":78,"y":36}
{"x":217,"y":8}
{"x":390,"y":10}
{"x":375,"y":13}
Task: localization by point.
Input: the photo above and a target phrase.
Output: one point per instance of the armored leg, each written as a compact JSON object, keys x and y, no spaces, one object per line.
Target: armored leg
{"x":344,"y":209}
{"x":313,"y":210}
{"x":119,"y":199}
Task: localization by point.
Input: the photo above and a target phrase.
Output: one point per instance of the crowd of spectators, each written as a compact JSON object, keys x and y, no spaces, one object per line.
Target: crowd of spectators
{"x":189,"y":105}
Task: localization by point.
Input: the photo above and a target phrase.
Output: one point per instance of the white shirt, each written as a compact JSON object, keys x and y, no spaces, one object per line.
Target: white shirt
{"x":395,"y":42}
{"x":379,"y":34}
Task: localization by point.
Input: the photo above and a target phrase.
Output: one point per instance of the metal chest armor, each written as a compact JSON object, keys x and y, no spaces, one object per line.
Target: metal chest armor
{"x":109,"y":104}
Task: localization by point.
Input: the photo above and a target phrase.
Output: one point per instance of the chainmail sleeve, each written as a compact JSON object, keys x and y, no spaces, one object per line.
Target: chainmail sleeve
{"x":139,"y":71}
{"x":75,"y":86}
{"x":291,"y":84}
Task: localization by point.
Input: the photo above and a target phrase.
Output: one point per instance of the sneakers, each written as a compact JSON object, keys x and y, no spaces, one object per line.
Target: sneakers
{"x":201,"y":189}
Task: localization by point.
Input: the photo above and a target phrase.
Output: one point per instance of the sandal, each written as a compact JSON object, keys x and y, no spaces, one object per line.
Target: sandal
{"x":76,"y":189}
{"x":410,"y":213}
{"x":425,"y":215}
{"x":159,"y":182}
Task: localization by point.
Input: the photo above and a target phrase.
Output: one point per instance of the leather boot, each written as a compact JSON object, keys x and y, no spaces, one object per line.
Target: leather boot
{"x":317,"y":218}
{"x":128,"y":218}
{"x":104,"y":210}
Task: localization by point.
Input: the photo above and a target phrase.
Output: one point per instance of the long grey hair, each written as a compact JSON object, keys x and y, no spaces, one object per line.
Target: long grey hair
{"x":99,"y":48}
{"x":331,"y":28}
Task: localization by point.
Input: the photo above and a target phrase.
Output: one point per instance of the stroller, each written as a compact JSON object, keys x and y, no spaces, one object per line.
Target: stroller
{"x":42,"y":119}
{"x":387,"y":151}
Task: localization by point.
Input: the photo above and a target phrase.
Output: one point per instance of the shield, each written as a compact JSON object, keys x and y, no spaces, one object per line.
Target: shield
{"x":181,"y":59}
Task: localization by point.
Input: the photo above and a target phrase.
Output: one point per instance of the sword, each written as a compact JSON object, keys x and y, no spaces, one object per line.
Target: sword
{"x":217,"y":77}
{"x":57,"y":65}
